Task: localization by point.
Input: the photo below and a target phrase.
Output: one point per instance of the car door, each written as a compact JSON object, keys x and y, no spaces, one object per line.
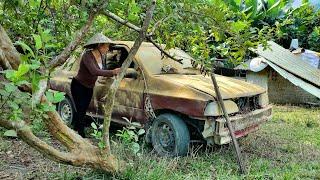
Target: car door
{"x":128,"y":99}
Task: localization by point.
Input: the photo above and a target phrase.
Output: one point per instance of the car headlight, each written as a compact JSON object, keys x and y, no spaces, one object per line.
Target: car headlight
{"x":263,"y":99}
{"x":213,"y":108}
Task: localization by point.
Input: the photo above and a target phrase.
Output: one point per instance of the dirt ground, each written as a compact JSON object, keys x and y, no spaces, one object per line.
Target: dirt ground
{"x":19,"y":161}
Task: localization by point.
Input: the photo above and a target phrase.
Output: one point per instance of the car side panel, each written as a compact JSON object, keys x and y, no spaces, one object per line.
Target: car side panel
{"x":190,"y":107}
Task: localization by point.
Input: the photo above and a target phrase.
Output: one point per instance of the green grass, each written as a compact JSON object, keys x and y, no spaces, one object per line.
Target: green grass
{"x":286,"y":147}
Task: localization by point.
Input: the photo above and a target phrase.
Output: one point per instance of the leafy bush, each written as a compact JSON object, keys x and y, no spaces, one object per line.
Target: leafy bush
{"x":303,"y":24}
{"x":260,"y":11}
{"x":129,"y":135}
{"x":314,"y":39}
{"x":16,"y":105}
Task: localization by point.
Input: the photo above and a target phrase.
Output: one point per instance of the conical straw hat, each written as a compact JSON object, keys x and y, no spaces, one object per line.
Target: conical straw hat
{"x":98,"y":38}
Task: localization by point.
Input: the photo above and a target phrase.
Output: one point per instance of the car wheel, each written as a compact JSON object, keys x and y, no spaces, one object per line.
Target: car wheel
{"x":66,"y":111}
{"x":170,"y":135}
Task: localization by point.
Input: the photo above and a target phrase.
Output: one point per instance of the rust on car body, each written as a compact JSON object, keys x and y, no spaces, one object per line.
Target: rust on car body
{"x":183,"y":90}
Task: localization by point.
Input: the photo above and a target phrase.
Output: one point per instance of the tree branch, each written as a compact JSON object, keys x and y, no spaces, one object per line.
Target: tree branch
{"x":82,"y":152}
{"x":136,"y":28}
{"x":65,"y":54}
{"x":157,"y":24}
{"x":36,"y":97}
{"x":11,"y":124}
{"x":79,"y":35}
{"x":24,"y":132}
{"x":88,"y":156}
{"x":114,"y":86}
{"x":3,"y":61}
{"x":10,"y":52}
{"x":55,"y":125}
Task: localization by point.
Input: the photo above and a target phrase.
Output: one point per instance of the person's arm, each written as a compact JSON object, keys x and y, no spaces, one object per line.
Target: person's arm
{"x":89,"y":62}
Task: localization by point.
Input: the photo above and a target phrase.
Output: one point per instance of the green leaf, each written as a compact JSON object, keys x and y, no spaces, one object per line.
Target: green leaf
{"x":132,"y":127}
{"x":10,"y":87}
{"x":233,"y":4}
{"x":49,"y":96}
{"x":10,"y":133}
{"x":275,"y":9}
{"x":46,"y":36}
{"x":94,"y":126}
{"x":135,"y":124}
{"x":4,"y":93}
{"x":10,"y":74}
{"x":38,"y":41}
{"x":141,"y":131}
{"x":58,"y":97}
{"x":239,"y":26}
{"x":34,"y":4}
{"x":24,"y":58}
{"x":99,"y":134}
{"x":135,"y":148}
{"x":47,"y":107}
{"x":25,"y":47}
{"x":13,"y":105}
{"x":35,"y":78}
{"x":45,"y":116}
{"x":22,"y":70}
{"x":253,"y":7}
{"x":35,"y":64}
{"x":101,"y":145}
{"x":50,"y":46}
{"x":133,"y":11}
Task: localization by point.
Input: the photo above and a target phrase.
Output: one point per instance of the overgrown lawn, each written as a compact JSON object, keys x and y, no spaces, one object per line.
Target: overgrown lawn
{"x":287,"y":147}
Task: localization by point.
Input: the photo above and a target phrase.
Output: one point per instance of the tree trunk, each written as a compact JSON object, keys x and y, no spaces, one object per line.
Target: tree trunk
{"x":108,"y":106}
{"x":80,"y":151}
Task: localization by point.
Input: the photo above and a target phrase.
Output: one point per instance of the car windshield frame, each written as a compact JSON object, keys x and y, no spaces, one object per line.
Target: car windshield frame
{"x":155,"y":63}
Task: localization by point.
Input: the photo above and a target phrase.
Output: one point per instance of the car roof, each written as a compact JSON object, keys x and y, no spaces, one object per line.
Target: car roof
{"x":149,"y":51}
{"x":130,"y":44}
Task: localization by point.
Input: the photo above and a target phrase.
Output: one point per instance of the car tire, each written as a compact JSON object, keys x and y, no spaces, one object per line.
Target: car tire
{"x":170,"y":135}
{"x":66,"y":110}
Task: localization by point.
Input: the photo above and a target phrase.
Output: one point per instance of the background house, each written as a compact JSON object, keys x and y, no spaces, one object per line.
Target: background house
{"x":288,"y":79}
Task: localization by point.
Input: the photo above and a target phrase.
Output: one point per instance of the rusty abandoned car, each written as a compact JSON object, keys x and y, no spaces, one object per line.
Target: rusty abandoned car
{"x":174,"y":102}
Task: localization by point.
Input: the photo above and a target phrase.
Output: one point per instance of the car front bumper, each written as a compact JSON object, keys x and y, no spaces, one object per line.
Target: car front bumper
{"x":216,"y":131}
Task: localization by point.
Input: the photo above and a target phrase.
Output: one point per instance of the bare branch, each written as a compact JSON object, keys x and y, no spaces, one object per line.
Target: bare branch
{"x":136,"y":28}
{"x":163,"y":51}
{"x":120,"y":20}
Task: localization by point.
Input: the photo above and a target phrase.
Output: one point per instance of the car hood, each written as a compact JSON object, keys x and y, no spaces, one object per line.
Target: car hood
{"x":229,"y":87}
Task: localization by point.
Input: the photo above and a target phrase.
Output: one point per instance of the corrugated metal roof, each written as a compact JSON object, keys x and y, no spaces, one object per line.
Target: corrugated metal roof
{"x":289,"y":62}
{"x":296,"y":80}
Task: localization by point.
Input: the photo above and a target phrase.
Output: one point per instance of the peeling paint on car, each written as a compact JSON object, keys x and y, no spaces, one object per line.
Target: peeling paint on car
{"x":185,"y":94}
